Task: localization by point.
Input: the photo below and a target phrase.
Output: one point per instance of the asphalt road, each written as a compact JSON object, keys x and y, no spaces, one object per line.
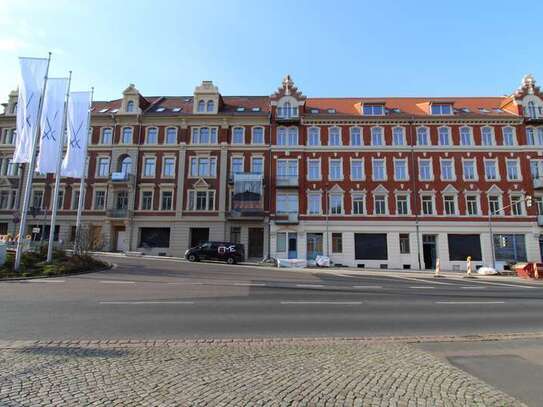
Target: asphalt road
{"x":145,"y":299}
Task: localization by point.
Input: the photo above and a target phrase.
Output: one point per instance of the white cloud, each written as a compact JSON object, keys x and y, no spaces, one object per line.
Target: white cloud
{"x":12,"y":44}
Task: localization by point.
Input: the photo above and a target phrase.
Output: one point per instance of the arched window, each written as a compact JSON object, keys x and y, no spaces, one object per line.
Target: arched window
{"x":125,"y":165}
{"x":201,"y":106}
{"x":210,"y":106}
{"x":126,"y":135}
{"x":532,"y":113}
{"x":130,"y":106}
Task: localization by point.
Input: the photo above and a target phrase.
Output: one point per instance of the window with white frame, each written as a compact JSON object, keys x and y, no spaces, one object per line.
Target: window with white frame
{"x":257,"y":165}
{"x":171,"y":136}
{"x":425,"y":170}
{"x":513,"y":173}
{"x":146,"y":200}
{"x":107,"y":136}
{"x":398,"y":136}
{"x":287,"y":168}
{"x":402,"y":204}
{"x":447,"y":170}
{"x":334,"y":136}
{"x":210,"y":106}
{"x":465,"y":136}
{"x":152,"y":136}
{"x":37,"y":198}
{"x":469,"y":170}
{"x":204,"y":135}
{"x":286,"y":110}
{"x":286,"y":203}
{"x":293,"y":136}
{"x":166,"y":201}
{"x":238,"y":135}
{"x":536,"y":168}
{"x":380,"y":204}
{"x":201,"y":106}
{"x":236,"y":166}
{"x":149,"y":166}
{"x":314,"y":203}
{"x":539,"y":136}
{"x":12,"y":169}
{"x":60,"y":200}
{"x":378,"y":170}
{"x":287,"y":136}
{"x":336,"y":203}
{"x":530,"y":136}
{"x":126,"y":135}
{"x":355,"y":136}
{"x":99,"y":200}
{"x":376,"y":136}
{"x":130,"y":106}
{"x":203,"y":166}
{"x":314,"y":170}
{"x":444,"y":136}
{"x":487,"y":136}
{"x":168,"y":169}
{"x":257,"y":135}
{"x":508,"y":136}
{"x":441,"y":109}
{"x":422,"y":136}
{"x":4,"y":199}
{"x":314,"y":136}
{"x":201,"y":200}
{"x":491,"y":171}
{"x":357,"y":169}
{"x":516,"y":205}
{"x":336,"y":171}
{"x":472,"y":205}
{"x":373,"y":109}
{"x":539,"y":204}
{"x":400,"y":170}
{"x":449,"y":203}
{"x":494,"y":203}
{"x":75,"y":199}
{"x":102,"y":167}
{"x":9,"y":136}
{"x":358,"y":203}
{"x":427,"y":204}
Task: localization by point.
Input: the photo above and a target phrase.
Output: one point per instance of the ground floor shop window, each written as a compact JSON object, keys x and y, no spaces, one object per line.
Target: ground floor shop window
{"x":314,"y":245}
{"x":404,"y":243}
{"x":462,"y":246}
{"x":235,"y":234}
{"x":337,"y":243}
{"x":510,"y":248}
{"x":3,"y":228}
{"x":370,"y":246}
{"x":154,"y":237}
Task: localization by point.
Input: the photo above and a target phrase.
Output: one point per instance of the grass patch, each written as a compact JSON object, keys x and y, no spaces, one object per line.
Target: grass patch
{"x":33,"y":264}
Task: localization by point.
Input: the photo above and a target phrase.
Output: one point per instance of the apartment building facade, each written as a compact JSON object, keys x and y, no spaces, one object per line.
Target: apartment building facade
{"x":370,"y":182}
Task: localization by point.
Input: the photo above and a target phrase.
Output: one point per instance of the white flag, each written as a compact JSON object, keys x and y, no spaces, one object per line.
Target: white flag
{"x":31,"y":77}
{"x":51,"y":121}
{"x":73,"y":164}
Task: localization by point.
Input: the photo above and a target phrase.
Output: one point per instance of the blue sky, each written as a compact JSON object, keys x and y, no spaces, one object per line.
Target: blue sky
{"x":340,"y":48}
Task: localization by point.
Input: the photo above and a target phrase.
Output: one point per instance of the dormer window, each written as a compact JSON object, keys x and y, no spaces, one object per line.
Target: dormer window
{"x":130,"y":106}
{"x":201,"y":106}
{"x":442,"y":109}
{"x":287,"y":110}
{"x":532,"y":112}
{"x":210,"y":106}
{"x":373,"y":109}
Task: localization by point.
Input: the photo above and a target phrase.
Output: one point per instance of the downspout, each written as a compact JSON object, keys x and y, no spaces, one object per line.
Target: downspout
{"x":414,"y":181}
{"x":131,"y":212}
{"x":268,"y":257}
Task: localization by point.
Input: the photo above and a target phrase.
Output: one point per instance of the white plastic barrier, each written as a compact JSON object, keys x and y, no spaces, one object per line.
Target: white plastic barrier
{"x":292,"y":263}
{"x":322,"y":261}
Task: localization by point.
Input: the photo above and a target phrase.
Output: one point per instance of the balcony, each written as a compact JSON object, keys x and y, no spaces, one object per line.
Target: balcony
{"x":122,"y":178}
{"x":287,"y":218}
{"x":246,"y":214}
{"x":539,"y":220}
{"x":247,"y":198}
{"x":119,"y":213}
{"x":287,"y":114}
{"x":538,"y":182}
{"x":286,"y":181}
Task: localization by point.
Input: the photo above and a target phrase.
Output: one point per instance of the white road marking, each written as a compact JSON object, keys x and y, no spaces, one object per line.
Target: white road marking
{"x":470,"y":302}
{"x":321,"y":302}
{"x":426,"y":287}
{"x":367,"y":286}
{"x":309,"y":285}
{"x":44,"y":280}
{"x":422,"y":281}
{"x":502,"y":284}
{"x":116,"y":282}
{"x":250,"y":284}
{"x":144,"y":302}
{"x":471,"y":287}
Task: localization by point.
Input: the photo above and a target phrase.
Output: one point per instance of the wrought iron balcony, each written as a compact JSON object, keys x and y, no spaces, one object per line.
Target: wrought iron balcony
{"x":119,"y":213}
{"x":122,"y":178}
{"x":287,"y":218}
{"x":286,"y":181}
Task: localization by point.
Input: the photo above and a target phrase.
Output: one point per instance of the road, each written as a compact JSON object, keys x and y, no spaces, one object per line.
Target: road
{"x":152,"y":299}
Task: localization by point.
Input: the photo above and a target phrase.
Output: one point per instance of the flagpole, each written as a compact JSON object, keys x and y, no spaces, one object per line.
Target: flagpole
{"x":29,"y":175}
{"x":57,"y":176}
{"x":77,"y":246}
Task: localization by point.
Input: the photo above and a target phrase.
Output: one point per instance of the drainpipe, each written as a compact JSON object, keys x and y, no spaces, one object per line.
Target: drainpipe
{"x":414,"y":181}
{"x":269,"y":188}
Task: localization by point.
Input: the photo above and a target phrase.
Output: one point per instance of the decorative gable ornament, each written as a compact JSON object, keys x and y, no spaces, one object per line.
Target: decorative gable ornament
{"x":287,"y":88}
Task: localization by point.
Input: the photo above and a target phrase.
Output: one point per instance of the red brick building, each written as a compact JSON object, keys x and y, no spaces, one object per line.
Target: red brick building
{"x":371,"y":182}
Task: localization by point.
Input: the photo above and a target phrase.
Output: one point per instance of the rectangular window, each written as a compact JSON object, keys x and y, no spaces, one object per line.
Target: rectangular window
{"x":402,"y":207}
{"x":166,"y":203}
{"x":491,"y":173}
{"x":235,"y":234}
{"x":487,"y":137}
{"x":4,"y":199}
{"x":465,"y":136}
{"x":204,"y":135}
{"x":147,"y":200}
{"x":237,"y":165}
{"x":258,"y":135}
{"x":516,"y":205}
{"x":336,"y":172}
{"x":427,"y":205}
{"x":155,"y":237}
{"x":314,"y":170}
{"x":470,"y":173}
{"x":512,"y":170}
{"x":281,"y":242}
{"x":337,"y":243}
{"x":286,"y":203}
{"x":356,"y":136}
{"x":422,"y":136}
{"x":425,"y":170}
{"x":126,"y":135}
{"x":441,"y":109}
{"x":314,"y":137}
{"x":398,"y":136}
{"x":238,"y":135}
{"x":171,"y":135}
{"x":380,"y":206}
{"x":376,"y":136}
{"x":12,"y":169}
{"x":494,"y":204}
{"x":462,"y":246}
{"x":314,"y":204}
{"x":400,"y":170}
{"x":444,"y":136}
{"x":449,"y":204}
{"x":149,"y":165}
{"x":107,"y":136}
{"x":103,"y":167}
{"x":169,"y":167}
{"x":203,"y":166}
{"x":99,"y":200}
{"x":201,"y":200}
{"x":336,"y":203}
{"x":357,"y":170}
{"x":508,"y":136}
{"x":404,"y":243}
{"x":358,"y":204}
{"x":472,"y":205}
{"x":373,"y":110}
{"x":510,"y":248}
{"x":378,"y":170}
{"x":257,"y":165}
{"x":60,"y":201}
{"x":75,"y":200}
{"x":152,"y":135}
{"x":287,"y":168}
{"x":530,"y":136}
{"x":334,"y":136}
{"x":370,"y":246}
{"x":447,"y":170}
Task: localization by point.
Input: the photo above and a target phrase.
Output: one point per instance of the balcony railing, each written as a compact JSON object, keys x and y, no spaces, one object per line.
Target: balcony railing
{"x":122,"y":177}
{"x":119,"y":213}
{"x":538,"y":182}
{"x":287,"y":218}
{"x":287,"y":113}
{"x":286,"y":181}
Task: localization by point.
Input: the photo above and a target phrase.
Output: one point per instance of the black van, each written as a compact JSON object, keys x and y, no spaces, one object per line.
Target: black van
{"x":221,"y":251}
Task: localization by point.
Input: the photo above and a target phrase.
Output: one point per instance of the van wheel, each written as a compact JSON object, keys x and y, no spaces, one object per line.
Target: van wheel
{"x":231,"y":260}
{"x":192,"y":257}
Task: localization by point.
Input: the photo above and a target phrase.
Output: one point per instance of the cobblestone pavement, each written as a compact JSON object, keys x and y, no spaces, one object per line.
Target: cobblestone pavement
{"x":236,"y":373}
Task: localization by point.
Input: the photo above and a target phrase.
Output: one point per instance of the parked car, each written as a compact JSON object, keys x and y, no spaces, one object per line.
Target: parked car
{"x":229,"y":252}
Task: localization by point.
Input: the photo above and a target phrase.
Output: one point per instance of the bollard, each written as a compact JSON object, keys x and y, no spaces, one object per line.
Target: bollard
{"x":468,"y":268}
{"x":438,"y":269}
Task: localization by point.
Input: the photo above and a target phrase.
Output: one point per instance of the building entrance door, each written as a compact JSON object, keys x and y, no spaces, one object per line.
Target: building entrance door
{"x":122,"y":241}
{"x":429,"y":251}
{"x":292,"y":245}
{"x":256,"y":243}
